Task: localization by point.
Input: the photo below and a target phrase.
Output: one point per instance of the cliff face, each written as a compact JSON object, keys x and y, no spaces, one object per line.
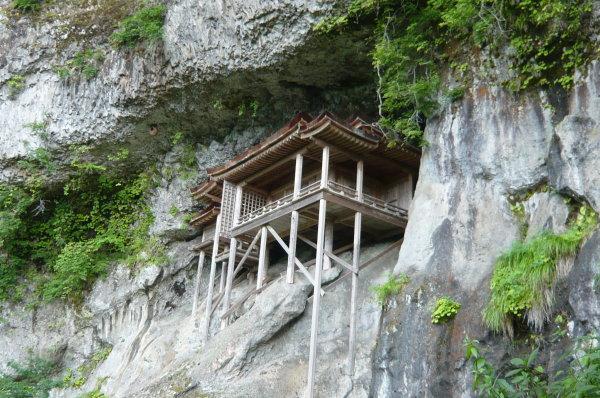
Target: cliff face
{"x":215,"y":57}
{"x":485,"y":149}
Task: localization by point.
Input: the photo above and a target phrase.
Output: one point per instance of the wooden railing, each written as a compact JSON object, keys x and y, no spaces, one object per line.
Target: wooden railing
{"x":333,"y":187}
{"x":369,"y":200}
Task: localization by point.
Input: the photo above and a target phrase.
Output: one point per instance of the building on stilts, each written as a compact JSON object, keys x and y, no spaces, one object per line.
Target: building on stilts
{"x":316,"y":182}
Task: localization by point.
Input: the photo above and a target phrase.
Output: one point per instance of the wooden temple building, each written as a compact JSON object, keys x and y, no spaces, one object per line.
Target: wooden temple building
{"x":313,"y":180}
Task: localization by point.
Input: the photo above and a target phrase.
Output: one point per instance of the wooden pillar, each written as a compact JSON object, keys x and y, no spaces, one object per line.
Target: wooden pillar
{"x":232,"y":250}
{"x":325,"y":167}
{"x":197,"y":284}
{"x":294,"y":221}
{"x":355,"y":265}
{"x":328,"y":243}
{"x":262,"y":258}
{"x":211,"y":278}
{"x":223,"y":276}
{"x":312,"y":359}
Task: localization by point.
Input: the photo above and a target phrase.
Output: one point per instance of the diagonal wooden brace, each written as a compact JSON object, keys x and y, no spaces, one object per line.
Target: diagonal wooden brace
{"x":245,"y":256}
{"x":296,"y":261}
{"x":329,"y":254}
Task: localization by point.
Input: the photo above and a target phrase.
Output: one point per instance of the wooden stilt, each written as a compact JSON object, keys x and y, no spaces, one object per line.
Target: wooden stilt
{"x":211,"y":278}
{"x":238,"y":268}
{"x":292,"y":246}
{"x":223,"y":276}
{"x":312,"y":358}
{"x":312,"y":364}
{"x":294,"y":220}
{"x":355,"y":265}
{"x":262,"y":258}
{"x":328,"y":243}
{"x":232,"y":252}
{"x":197,"y":284}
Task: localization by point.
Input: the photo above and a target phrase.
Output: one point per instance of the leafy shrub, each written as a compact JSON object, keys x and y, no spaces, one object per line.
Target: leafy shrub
{"x":444,"y":310}
{"x":548,"y":40}
{"x":523,"y":278}
{"x":389,"y":288}
{"x":34,"y":379}
{"x":145,"y":24}
{"x":71,"y":235}
{"x":27,"y":5}
{"x":16,"y":84}
{"x":525,"y":377}
{"x":85,"y":62}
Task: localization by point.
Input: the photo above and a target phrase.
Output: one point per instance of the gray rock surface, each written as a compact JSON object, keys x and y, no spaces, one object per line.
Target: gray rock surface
{"x":215,"y":57}
{"x":545,"y":212}
{"x":483,"y":150}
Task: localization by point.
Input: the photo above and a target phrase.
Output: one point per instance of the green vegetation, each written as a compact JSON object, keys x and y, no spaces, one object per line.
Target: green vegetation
{"x":389,"y":288}
{"x":16,"y":84}
{"x":547,"y":41}
{"x":85,"y":63}
{"x":145,"y":24}
{"x":251,"y":108}
{"x":34,"y":379}
{"x":187,"y":167}
{"x":79,"y":378}
{"x":27,"y":5}
{"x":177,"y":137}
{"x":526,"y":377}
{"x":64,"y":239}
{"x":444,"y":310}
{"x":95,"y":393}
{"x":524,"y":277}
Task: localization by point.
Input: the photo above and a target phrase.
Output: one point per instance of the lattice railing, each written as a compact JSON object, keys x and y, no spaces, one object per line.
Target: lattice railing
{"x":369,"y":200}
{"x":333,"y":187}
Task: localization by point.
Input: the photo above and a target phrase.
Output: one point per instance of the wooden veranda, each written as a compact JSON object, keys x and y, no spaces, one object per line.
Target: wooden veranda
{"x":309,"y":181}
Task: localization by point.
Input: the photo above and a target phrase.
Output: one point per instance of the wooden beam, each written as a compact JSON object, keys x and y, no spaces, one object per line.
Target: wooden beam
{"x":360,"y":172}
{"x":364,"y":209}
{"x":325,"y":167}
{"x":353,"y":293}
{"x":246,"y":254}
{"x":292,"y":247}
{"x":324,"y":144}
{"x":297,"y":262}
{"x":284,"y":210}
{"x":394,"y":246}
{"x":223,"y":276}
{"x":246,"y":296}
{"x":327,"y":253}
{"x":273,"y":166}
{"x":237,"y":208}
{"x":197,"y":284}
{"x":262,"y":271}
{"x":298,"y":176}
{"x":356,"y":156}
{"x":211,"y":279}
{"x":312,"y":357}
{"x":213,"y":197}
{"x":328,"y":242}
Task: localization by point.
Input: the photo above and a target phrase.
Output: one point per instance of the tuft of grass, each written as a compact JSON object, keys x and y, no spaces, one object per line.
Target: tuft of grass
{"x":444,"y":310}
{"x":523,"y":280}
{"x":16,"y":84}
{"x":389,"y":288}
{"x":144,"y":25}
{"x":85,"y":62}
{"x":27,"y":5}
